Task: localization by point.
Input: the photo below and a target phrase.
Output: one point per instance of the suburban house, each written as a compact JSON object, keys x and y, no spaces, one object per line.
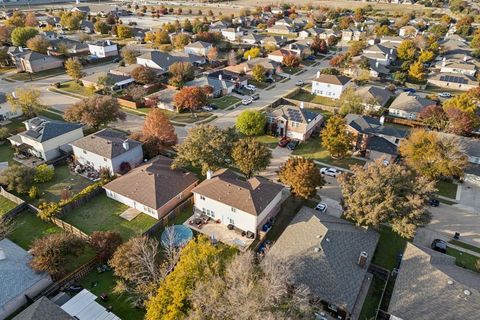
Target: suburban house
{"x":430,"y":285}
{"x":329,"y":85}
{"x":328,"y":255}
{"x":73,"y":47}
{"x":153,"y":188}
{"x":238,"y":76}
{"x":277,"y":41}
{"x":115,"y":81}
{"x":381,"y":53}
{"x":374,"y":98}
{"x":87,"y":26}
{"x":162,"y":60}
{"x":462,"y":66}
{"x":109,"y":149}
{"x":310,"y":33}
{"x":46,"y":139}
{"x":232,"y":200}
{"x":280,"y":54}
{"x":246,"y":67}
{"x":352,"y":35}
{"x":408,"y":105}
{"x":232,"y":34}
{"x":301,"y":48}
{"x":252,"y":39}
{"x":294,"y":122}
{"x":33,"y":62}
{"x":164,"y":99}
{"x":8,"y":112}
{"x":219,"y":85}
{"x":82,"y":9}
{"x":454,"y":81}
{"x":103,"y":49}
{"x":20,"y":283}
{"x":282,"y":30}
{"x":408,"y":32}
{"x":43,"y":309}
{"x":199,"y":48}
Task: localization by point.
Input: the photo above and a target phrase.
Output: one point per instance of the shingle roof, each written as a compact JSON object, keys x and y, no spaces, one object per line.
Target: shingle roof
{"x":410,"y":102}
{"x":33,"y":56}
{"x":114,"y":77}
{"x":380,"y":144}
{"x":430,"y":286}
{"x":371,"y":125}
{"x":165,"y":60}
{"x":377,"y":95}
{"x":43,"y":129}
{"x":107,"y":143}
{"x":251,"y":196}
{"x":332,"y":79}
{"x":153,"y":184}
{"x":332,"y":273}
{"x":296,"y":114}
{"x":199,"y":44}
{"x":43,"y":309}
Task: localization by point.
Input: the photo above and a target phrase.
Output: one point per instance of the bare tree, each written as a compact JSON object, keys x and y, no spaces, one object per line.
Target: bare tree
{"x":170,"y":248}
{"x":7,"y":226}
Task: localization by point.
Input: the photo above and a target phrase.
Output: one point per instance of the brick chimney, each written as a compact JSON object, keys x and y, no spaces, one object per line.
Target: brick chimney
{"x":362,"y":259}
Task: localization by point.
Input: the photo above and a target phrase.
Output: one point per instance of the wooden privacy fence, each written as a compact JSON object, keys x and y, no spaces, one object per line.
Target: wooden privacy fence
{"x":78,"y":202}
{"x":168,"y":217}
{"x":70,"y":229}
{"x":20,"y":204}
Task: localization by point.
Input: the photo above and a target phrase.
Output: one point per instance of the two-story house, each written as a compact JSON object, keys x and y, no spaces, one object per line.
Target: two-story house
{"x":329,"y":85}
{"x":294,"y":122}
{"x":408,"y":105}
{"x":103,"y":49}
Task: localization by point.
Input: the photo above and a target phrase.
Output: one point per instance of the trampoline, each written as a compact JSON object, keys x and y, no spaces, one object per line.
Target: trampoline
{"x":178,"y":235}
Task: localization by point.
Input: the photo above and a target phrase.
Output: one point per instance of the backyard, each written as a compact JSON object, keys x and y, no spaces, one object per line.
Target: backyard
{"x":103,"y":214}
{"x":303,"y":95}
{"x":224,"y":102}
{"x":313,"y":149}
{"x":6,"y":205}
{"x":185,"y":117}
{"x":6,"y":152}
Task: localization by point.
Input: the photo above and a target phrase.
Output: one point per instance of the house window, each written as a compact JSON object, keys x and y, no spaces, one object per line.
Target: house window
{"x":202,"y":198}
{"x":231,"y":221}
{"x":105,"y":159}
{"x":84,"y":151}
{"x":233,"y":209}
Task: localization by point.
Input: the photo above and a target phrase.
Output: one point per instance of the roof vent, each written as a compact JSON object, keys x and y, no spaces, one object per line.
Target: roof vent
{"x":450,"y":282}
{"x":2,"y":255}
{"x":327,"y":239}
{"x":319,"y":236}
{"x":467,"y":292}
{"x":317,"y":249}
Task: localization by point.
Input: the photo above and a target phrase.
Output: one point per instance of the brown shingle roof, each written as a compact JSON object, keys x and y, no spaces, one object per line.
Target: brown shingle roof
{"x":252,"y":195}
{"x":332,"y":79}
{"x":153,"y":184}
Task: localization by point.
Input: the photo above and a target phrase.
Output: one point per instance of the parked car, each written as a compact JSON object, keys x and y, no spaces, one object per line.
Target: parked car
{"x":310,"y":58}
{"x":322,"y":207}
{"x":283,"y":142}
{"x":445,"y":95}
{"x":251,"y":87}
{"x":299,"y":83}
{"x":332,"y":172}
{"x":439,"y":245}
{"x":255,"y":96}
{"x":207,"y":108}
{"x":409,"y":90}
{"x":247,"y":101}
{"x":292,"y":145}
{"x":117,"y":60}
{"x":213,"y":106}
{"x":433,"y":202}
{"x":269,"y":80}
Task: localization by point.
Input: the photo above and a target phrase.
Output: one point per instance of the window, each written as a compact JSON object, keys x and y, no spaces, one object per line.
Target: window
{"x":84,"y":151}
{"x":202,"y":198}
{"x":231,"y":221}
{"x":233,"y":209}
{"x":105,"y":159}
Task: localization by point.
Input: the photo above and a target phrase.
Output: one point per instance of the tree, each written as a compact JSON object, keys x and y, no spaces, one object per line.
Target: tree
{"x":303,"y":177}
{"x":17,"y":178}
{"x":350,"y":102}
{"x":124,"y":32}
{"x":190,"y":98}
{"x":251,"y":123}
{"x":4,"y":134}
{"x":335,"y":137}
{"x":417,"y":71}
{"x":434,"y":117}
{"x":28,"y":100}
{"x":43,"y":173}
{"x":212,"y":54}
{"x":251,"y":53}
{"x":5,"y":34}
{"x":319,"y":45}
{"x":105,"y":243}
{"x":356,"y":48}
{"x":101,"y":27}
{"x":7,"y":226}
{"x":143,"y":75}
{"x":53,"y":252}
{"x":21,"y":35}
{"x":232,"y":58}
{"x":73,"y":66}
{"x":31,"y":19}
{"x":129,"y":55}
{"x":180,"y":40}
{"x":207,"y":147}
{"x":250,"y":156}
{"x":383,"y":193}
{"x":258,"y":73}
{"x":38,"y":43}
{"x":181,"y":72}
{"x":95,"y":111}
{"x":432,"y":156}
{"x":157,"y":128}
{"x":291,"y":61}
{"x":407,"y":50}
{"x":199,"y":261}
{"x":265,"y":287}
{"x":459,"y":122}
{"x":16,"y":20}
{"x":426,"y":56}
{"x":136,"y":92}
{"x":71,"y":20}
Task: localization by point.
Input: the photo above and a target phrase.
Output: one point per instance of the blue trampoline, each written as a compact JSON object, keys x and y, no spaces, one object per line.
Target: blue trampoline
{"x":178,"y":235}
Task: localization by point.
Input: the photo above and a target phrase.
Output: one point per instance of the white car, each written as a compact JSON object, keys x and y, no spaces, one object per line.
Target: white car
{"x":332,"y":172}
{"x":207,"y":108}
{"x":299,"y":83}
{"x":251,"y":87}
{"x":247,"y":101}
{"x":445,"y":94}
{"x":322,"y":207}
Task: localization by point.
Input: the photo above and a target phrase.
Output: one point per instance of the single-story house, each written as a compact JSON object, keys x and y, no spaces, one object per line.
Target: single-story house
{"x":280,"y":54}
{"x":252,"y":39}
{"x":46,"y":139}
{"x":277,"y":41}
{"x":8,"y":112}
{"x":199,"y":48}
{"x":33,"y":62}
{"x":374,"y":98}
{"x":380,"y":148}
{"x":329,"y":85}
{"x":454,"y":81}
{"x":281,"y":29}
{"x":310,"y":33}
{"x":116,"y":81}
{"x":109,"y":149}
{"x":103,"y":49}
{"x":294,"y":122}
{"x":153,"y":188}
{"x":20,"y":282}
{"x":164,"y":99}
{"x":73,"y":47}
{"x":328,"y":255}
{"x":83,"y":9}
{"x":408,"y":105}
{"x":246,"y":67}
{"x":162,"y":60}
{"x":43,"y":309}
{"x":232,"y":200}
{"x":458,"y":66}
{"x":218,"y":84}
{"x":431,"y":286}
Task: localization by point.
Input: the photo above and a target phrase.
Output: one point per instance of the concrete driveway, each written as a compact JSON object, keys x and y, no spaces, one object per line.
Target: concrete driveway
{"x":331,"y":189}
{"x":279,"y":157}
{"x":469,"y":196}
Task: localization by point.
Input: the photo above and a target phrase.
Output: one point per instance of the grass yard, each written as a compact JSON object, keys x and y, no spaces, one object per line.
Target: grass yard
{"x":185,"y":117}
{"x":52,"y":115}
{"x":291,"y":70}
{"x":76,"y":88}
{"x":24,"y":76}
{"x":6,"y":205}
{"x":260,"y":85}
{"x":465,"y":245}
{"x":267,"y":140}
{"x":16,"y":125}
{"x":314,"y":150}
{"x":447,"y":189}
{"x":463,"y":260}
{"x":103,"y":214}
{"x":370,"y":305}
{"x":6,"y":152}
{"x":389,"y":246}
{"x":225,"y":101}
{"x":29,"y":227}
{"x":52,"y":191}
{"x":303,"y":95}
{"x":99,"y":283}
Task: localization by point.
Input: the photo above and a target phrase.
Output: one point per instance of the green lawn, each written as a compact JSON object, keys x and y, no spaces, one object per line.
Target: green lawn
{"x":447,"y":189}
{"x":465,"y":245}
{"x":24,"y":76}
{"x":389,"y":246}
{"x":6,"y":205}
{"x":76,"y":88}
{"x":267,"y":140}
{"x":52,"y":191}
{"x":303,"y":95}
{"x":370,"y":305}
{"x":260,"y":85}
{"x":51,"y":114}
{"x":16,"y":125}
{"x":6,"y":152}
{"x":103,"y":214}
{"x":291,"y":70}
{"x":313,"y":149}
{"x":99,"y":283}
{"x":225,"y":101}
{"x":463,"y":260}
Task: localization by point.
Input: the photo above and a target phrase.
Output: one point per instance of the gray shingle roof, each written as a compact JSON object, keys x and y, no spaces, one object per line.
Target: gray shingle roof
{"x":371,"y":125}
{"x":332,"y":79}
{"x":376,"y":94}
{"x":380,"y":144}
{"x":43,"y":129}
{"x":43,"y":309}
{"x":430,"y":286}
{"x":294,"y":113}
{"x":107,"y":143}
{"x":332,"y":274}
{"x":165,"y":60}
{"x":410,"y":102}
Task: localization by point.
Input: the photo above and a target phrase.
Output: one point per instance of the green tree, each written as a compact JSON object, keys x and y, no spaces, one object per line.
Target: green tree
{"x":251,"y":123}
{"x":207,"y":147}
{"x":302,"y":176}
{"x":426,"y":56}
{"x":17,"y":178}
{"x":356,"y":48}
{"x":101,"y":27}
{"x":251,"y":156}
{"x":383,"y":193}
{"x":258,"y":73}
{"x":180,"y":72}
{"x":73,"y":67}
{"x":21,"y":35}
{"x":44,"y":173}
{"x":350,"y":102}
{"x":180,"y":40}
{"x":407,"y":50}
{"x":71,"y":20}
{"x":95,"y":111}
{"x":16,"y":20}
{"x":27,"y":100}
{"x":335,"y":137}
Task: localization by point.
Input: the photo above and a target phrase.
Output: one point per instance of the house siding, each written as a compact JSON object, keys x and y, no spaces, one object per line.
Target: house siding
{"x":328,"y":90}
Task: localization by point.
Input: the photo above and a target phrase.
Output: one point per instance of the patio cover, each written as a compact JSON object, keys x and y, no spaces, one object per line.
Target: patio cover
{"x":83,"y":307}
{"x":24,"y":147}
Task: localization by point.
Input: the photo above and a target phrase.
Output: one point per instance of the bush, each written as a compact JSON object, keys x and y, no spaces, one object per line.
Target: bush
{"x":48,"y":210}
{"x":105,"y":243}
{"x":43,"y":173}
{"x":3,"y":134}
{"x":33,"y":193}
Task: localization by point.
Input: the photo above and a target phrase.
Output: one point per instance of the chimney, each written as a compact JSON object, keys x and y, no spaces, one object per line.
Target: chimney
{"x":220,"y":77}
{"x":387,"y":56}
{"x":249,"y":57}
{"x":125,"y":145}
{"x":444,"y":61}
{"x":238,"y":29}
{"x":301,"y":105}
{"x":465,"y":58}
{"x":391,"y":51}
{"x":20,"y":49}
{"x":382,"y":120}
{"x":362,"y":259}
{"x":318,"y":74}
{"x":108,"y":42}
{"x":376,"y":64}
{"x":245,"y":69}
{"x":209,"y":174}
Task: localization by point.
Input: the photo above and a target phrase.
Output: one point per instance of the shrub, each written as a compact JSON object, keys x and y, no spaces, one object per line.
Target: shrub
{"x":3,"y":134}
{"x":33,"y":193}
{"x":105,"y":243}
{"x":43,"y":173}
{"x":48,"y":210}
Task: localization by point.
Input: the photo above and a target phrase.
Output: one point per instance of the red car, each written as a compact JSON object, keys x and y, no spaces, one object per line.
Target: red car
{"x":283,"y":142}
